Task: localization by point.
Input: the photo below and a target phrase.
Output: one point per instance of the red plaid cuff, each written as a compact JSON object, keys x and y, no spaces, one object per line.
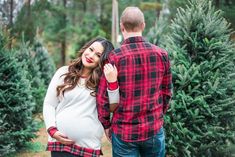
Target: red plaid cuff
{"x":51,"y":131}
{"x":73,"y":149}
{"x":112,"y":85}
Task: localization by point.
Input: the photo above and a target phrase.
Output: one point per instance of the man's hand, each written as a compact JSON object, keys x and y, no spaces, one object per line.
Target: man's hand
{"x":110,"y":72}
{"x":62,"y":138}
{"x":108,"y":134}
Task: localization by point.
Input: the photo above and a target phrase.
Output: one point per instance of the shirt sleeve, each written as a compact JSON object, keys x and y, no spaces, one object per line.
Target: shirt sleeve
{"x":103,"y":103}
{"x":52,"y":130}
{"x":102,"y":99}
{"x":166,"y":83}
{"x":112,"y":85}
{"x":51,"y":100}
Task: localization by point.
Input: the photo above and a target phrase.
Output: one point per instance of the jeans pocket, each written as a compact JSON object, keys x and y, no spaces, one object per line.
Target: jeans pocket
{"x":159,"y":142}
{"x":120,"y":147}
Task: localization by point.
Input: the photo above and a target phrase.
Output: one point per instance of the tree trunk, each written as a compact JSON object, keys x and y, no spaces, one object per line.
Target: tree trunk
{"x":217,"y":3}
{"x":29,"y":10}
{"x":11,"y":14}
{"x":158,"y":11}
{"x":11,"y":22}
{"x":75,"y":6}
{"x":115,"y":23}
{"x":227,"y":2}
{"x":63,"y":42}
{"x":84,"y":5}
{"x":63,"y":52}
{"x":30,"y":31}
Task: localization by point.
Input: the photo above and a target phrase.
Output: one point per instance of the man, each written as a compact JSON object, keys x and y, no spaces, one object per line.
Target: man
{"x":145,"y":84}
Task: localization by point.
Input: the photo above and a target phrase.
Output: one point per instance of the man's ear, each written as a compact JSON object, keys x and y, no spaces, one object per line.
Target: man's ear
{"x":122,"y":27}
{"x":143,"y":26}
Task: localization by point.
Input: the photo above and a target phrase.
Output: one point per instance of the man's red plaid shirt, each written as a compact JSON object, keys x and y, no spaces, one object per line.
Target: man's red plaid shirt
{"x":145,"y":84}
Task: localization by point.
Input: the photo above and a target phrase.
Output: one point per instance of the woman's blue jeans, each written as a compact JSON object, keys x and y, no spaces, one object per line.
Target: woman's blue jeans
{"x":153,"y":147}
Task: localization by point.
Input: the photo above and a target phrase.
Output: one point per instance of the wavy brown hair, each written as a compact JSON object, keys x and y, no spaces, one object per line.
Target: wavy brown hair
{"x":75,"y":69}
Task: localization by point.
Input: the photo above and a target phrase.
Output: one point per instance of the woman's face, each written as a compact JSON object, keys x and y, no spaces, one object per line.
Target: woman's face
{"x":91,"y":56}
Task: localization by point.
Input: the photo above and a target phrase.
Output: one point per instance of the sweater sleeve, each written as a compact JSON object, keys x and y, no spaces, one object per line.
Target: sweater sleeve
{"x":51,"y":100}
{"x":114,"y":96}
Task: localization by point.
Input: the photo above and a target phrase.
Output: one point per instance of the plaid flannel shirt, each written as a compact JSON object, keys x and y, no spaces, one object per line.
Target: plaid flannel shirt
{"x":145,"y":85}
{"x":73,"y":149}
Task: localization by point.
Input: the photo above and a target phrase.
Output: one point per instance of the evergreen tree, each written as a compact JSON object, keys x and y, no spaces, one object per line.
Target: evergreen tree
{"x":38,"y":88}
{"x":16,"y":105}
{"x":157,"y":33}
{"x":201,"y":120}
{"x":2,"y":40}
{"x":44,"y":61}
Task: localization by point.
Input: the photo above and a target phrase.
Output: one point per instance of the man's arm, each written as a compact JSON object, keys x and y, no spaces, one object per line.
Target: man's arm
{"x":103,"y":103}
{"x":167,"y":85}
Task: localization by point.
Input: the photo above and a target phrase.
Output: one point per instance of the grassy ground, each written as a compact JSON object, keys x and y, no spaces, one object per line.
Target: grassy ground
{"x":36,"y":148}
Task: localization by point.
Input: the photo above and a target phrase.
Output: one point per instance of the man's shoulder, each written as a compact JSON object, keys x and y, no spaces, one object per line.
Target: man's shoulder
{"x":117,"y":50}
{"x":145,"y":45}
{"x":154,"y":48}
{"x":130,"y":46}
{"x":160,"y":50}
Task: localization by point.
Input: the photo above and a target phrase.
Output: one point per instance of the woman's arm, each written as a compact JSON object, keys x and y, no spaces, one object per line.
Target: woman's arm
{"x":114,"y":97}
{"x":50,"y":103}
{"x":110,"y":73}
{"x":51,"y":100}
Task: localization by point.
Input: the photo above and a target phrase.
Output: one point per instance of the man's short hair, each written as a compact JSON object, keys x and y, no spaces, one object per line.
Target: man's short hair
{"x":132,"y":19}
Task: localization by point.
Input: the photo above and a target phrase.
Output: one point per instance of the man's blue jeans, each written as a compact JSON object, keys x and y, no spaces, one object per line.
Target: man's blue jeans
{"x":153,"y":147}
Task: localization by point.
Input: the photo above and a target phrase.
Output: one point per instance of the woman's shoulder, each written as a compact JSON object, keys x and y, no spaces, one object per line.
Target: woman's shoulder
{"x":62,"y":70}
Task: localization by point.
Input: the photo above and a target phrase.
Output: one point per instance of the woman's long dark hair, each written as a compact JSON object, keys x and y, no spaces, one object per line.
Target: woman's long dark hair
{"x":75,"y":69}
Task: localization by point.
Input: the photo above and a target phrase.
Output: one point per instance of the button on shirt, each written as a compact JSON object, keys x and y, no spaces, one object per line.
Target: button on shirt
{"x":145,"y":85}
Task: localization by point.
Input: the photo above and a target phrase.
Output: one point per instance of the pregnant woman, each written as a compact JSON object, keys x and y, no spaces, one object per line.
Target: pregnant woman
{"x":69,"y":108}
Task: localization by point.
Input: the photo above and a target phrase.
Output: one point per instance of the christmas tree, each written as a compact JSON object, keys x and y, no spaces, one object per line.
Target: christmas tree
{"x":16,"y":103}
{"x":201,"y":119}
{"x":25,"y":56}
{"x":43,"y":59}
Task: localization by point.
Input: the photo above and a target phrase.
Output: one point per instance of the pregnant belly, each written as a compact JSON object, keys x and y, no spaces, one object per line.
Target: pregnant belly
{"x":85,"y":131}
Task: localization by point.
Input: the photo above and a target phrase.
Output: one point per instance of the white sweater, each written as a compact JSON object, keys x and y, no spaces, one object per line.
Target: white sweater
{"x":75,"y":114}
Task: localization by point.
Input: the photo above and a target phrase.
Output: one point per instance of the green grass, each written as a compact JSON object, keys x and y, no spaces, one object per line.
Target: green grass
{"x":31,"y":146}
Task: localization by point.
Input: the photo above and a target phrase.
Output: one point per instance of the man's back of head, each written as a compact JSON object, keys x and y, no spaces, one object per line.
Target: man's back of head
{"x":132,"y":20}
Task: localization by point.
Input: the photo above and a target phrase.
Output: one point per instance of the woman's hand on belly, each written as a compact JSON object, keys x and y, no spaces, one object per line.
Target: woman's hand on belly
{"x":62,"y":138}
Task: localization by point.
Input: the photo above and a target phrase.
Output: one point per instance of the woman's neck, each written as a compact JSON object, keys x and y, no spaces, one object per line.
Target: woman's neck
{"x":85,"y":72}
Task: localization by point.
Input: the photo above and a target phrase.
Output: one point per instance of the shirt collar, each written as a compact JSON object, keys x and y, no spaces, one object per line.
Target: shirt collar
{"x":135,"y":39}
